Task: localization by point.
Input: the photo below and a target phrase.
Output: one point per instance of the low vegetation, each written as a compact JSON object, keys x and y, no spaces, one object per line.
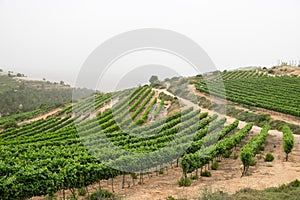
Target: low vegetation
{"x":269,"y":157}
{"x":286,"y":191}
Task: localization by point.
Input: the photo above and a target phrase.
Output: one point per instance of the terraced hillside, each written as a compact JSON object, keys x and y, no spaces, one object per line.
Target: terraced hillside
{"x":74,"y":149}
{"x":115,"y":135}
{"x":273,"y":93}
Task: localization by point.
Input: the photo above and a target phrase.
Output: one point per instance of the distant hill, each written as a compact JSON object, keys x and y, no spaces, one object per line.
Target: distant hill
{"x":19,"y":95}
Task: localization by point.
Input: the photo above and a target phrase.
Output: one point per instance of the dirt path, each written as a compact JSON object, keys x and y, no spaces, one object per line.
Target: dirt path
{"x":104,"y":108}
{"x":43,"y":116}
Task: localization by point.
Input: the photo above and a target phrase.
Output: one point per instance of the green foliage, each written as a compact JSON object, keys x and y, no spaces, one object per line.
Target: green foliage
{"x":10,"y":124}
{"x":24,"y":96}
{"x":154,"y":80}
{"x":261,"y":92}
{"x":144,"y":117}
{"x":23,"y":116}
{"x":197,"y":155}
{"x":159,"y":108}
{"x":250,"y":150}
{"x":194,"y":177}
{"x":269,"y":157}
{"x":209,"y":195}
{"x":259,"y":119}
{"x":206,"y":173}
{"x":7,"y":84}
{"x":133,"y":175}
{"x":102,"y":194}
{"x":227,"y":154}
{"x":278,"y":125}
{"x":252,"y":162}
{"x":161,"y":171}
{"x":48,"y":154}
{"x":286,"y":191}
{"x":165,"y":96}
{"x":82,"y":191}
{"x":215,"y":166}
{"x":288,"y":140}
{"x":170,"y":198}
{"x":184,"y":182}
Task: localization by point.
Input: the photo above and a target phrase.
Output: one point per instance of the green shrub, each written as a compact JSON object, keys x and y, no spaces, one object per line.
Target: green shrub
{"x":194,"y":177}
{"x":295,"y":183}
{"x":269,"y":157}
{"x":215,"y":166}
{"x":184,"y":182}
{"x":82,"y":191}
{"x":170,"y":198}
{"x":206,"y":173}
{"x":102,"y":194}
{"x":207,"y":194}
{"x":261,"y":148}
{"x":161,"y":171}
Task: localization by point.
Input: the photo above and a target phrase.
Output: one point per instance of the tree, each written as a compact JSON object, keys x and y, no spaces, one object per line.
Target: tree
{"x":154,"y":79}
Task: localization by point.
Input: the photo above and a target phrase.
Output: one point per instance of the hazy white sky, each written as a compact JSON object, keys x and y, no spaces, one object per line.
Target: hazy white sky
{"x":53,"y":38}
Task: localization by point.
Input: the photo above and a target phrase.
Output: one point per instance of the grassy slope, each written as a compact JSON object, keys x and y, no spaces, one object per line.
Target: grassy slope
{"x":7,"y":83}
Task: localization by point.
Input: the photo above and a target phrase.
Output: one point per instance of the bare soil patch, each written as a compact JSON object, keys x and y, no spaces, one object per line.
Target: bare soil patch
{"x":286,"y":71}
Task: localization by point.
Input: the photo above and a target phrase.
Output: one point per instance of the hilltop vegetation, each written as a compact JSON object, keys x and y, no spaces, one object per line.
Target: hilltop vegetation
{"x":18,"y":96}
